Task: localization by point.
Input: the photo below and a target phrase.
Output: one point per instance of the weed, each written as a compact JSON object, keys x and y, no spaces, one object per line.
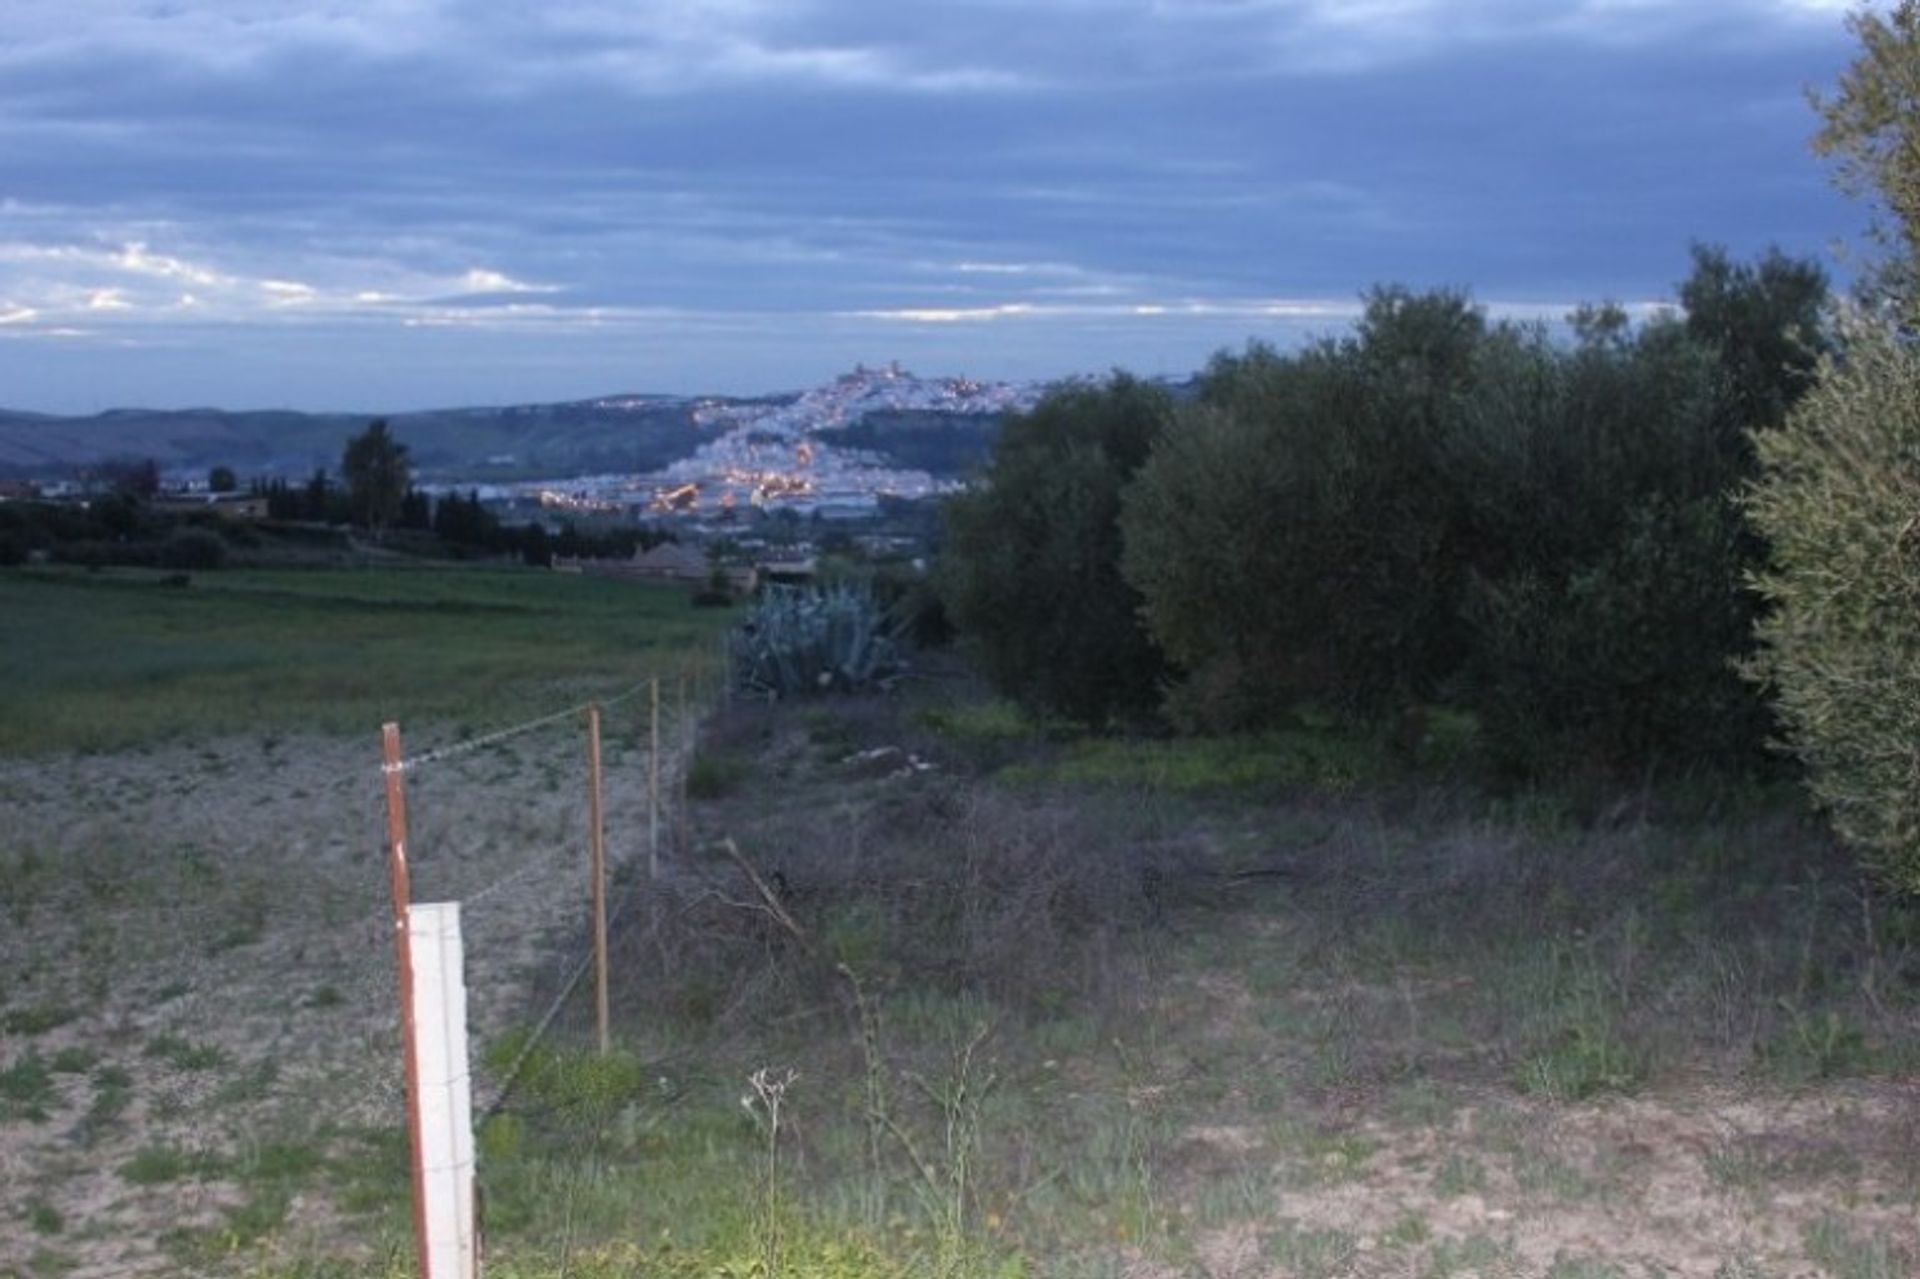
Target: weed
{"x":183,"y":1054}
{"x":1476,"y":1254}
{"x":1740,"y":1268}
{"x":1587,"y":1058}
{"x":253,"y":1084}
{"x":26,"y":1088}
{"x":1310,"y":1254}
{"x":157,"y":1165}
{"x":1328,"y":1158}
{"x":1409,"y":1230}
{"x":714,"y":776}
{"x":1830,"y":1243}
{"x":1460,"y":1175}
{"x":37,"y":1020}
{"x":765,"y":1102}
{"x":1755,"y":1167}
{"x":589,"y":1085}
{"x":1813,"y":1045}
{"x":1536,"y":1172}
{"x":1323,"y":760}
{"x":1566,"y":1266}
{"x":73,"y":1060}
{"x":43,"y":1218}
{"x":276,"y":1161}
{"x":946,"y":1185}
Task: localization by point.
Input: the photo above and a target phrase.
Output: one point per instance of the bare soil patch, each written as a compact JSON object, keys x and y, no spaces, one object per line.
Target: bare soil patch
{"x":197,"y":951}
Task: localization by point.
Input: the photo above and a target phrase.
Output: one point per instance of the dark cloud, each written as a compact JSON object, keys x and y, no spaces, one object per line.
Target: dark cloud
{"x":746,"y":193}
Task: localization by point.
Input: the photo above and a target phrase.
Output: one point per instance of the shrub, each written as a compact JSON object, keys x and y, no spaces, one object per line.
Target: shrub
{"x":1625,"y":658}
{"x":1607,"y":603}
{"x":713,"y":776}
{"x":1840,"y":651}
{"x":814,"y":640}
{"x":193,"y":548}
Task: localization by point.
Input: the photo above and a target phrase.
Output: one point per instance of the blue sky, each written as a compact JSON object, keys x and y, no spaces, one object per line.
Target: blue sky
{"x":375,"y":205}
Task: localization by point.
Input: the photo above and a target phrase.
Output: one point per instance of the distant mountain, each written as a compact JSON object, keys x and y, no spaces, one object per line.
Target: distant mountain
{"x":943,"y":426}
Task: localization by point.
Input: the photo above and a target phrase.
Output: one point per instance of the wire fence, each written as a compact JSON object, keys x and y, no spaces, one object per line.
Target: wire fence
{"x":206,"y":926}
{"x":500,"y":822}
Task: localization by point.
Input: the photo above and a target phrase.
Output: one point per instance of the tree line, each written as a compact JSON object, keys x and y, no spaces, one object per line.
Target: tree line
{"x":1433,"y":508}
{"x":375,"y":492}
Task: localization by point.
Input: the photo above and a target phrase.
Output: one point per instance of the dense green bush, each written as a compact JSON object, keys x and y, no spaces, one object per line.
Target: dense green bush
{"x":1031,"y":570}
{"x":1607,"y":603}
{"x":1839,"y":501}
{"x":1285,"y":542}
{"x":1605,"y":600}
{"x":1291,"y":539}
{"x":193,"y":548}
{"x":1625,"y":659}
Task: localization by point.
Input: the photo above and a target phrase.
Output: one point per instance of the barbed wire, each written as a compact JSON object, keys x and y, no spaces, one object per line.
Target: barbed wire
{"x":467,"y":745}
{"x":676,"y":719}
{"x":540,"y":861}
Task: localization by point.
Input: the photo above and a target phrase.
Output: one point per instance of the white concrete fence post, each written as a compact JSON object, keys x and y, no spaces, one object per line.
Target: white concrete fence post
{"x":446,"y":1090}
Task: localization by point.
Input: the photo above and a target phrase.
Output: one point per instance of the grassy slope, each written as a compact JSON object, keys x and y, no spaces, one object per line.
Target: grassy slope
{"x":103,"y":661}
{"x":1254,"y":1008}
{"x":1307,"y":1018}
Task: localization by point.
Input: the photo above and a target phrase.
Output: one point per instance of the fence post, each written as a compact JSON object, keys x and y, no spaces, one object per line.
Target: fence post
{"x":446,"y":1108}
{"x":403,"y":954}
{"x":653,"y":785}
{"x":597,"y":848}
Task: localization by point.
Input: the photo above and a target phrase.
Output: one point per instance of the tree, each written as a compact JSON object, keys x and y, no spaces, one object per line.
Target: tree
{"x":1870,"y":129}
{"x":1840,"y":649}
{"x":1031,"y":570}
{"x":316,"y":501}
{"x":1290,"y":537}
{"x":1607,"y":603}
{"x":376,"y":472}
{"x":1765,"y":325}
{"x":136,"y":479}
{"x":221,"y":479}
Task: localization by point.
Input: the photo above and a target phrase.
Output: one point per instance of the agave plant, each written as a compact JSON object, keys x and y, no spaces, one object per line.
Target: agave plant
{"x":816,"y":639}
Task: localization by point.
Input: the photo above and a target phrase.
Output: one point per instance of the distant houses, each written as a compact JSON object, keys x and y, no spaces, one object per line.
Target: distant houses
{"x":687,"y":564}
{"x":233,"y":506}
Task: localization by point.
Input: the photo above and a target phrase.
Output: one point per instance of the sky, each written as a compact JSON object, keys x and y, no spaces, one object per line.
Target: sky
{"x":381,"y":205}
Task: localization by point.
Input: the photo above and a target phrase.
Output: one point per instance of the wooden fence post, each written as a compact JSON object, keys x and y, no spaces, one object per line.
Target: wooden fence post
{"x":403,"y":953}
{"x":653,"y":785}
{"x":597,"y":849}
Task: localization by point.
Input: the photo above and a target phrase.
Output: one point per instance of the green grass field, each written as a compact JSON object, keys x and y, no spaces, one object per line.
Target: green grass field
{"x":106,"y":660}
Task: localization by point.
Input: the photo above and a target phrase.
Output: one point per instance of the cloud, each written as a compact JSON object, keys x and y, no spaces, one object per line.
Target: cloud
{"x":718,"y":176}
{"x":484,"y":280}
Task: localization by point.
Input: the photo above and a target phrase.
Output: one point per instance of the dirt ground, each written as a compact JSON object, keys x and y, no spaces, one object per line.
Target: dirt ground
{"x":197,"y":983}
{"x":197,"y":968}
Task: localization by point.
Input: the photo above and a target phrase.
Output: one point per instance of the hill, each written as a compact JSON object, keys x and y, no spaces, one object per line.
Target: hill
{"x":940,"y":425}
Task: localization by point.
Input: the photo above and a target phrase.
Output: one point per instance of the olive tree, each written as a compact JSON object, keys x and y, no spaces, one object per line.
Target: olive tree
{"x":1870,"y":130}
{"x":1840,"y":647}
{"x":1030,"y":573}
